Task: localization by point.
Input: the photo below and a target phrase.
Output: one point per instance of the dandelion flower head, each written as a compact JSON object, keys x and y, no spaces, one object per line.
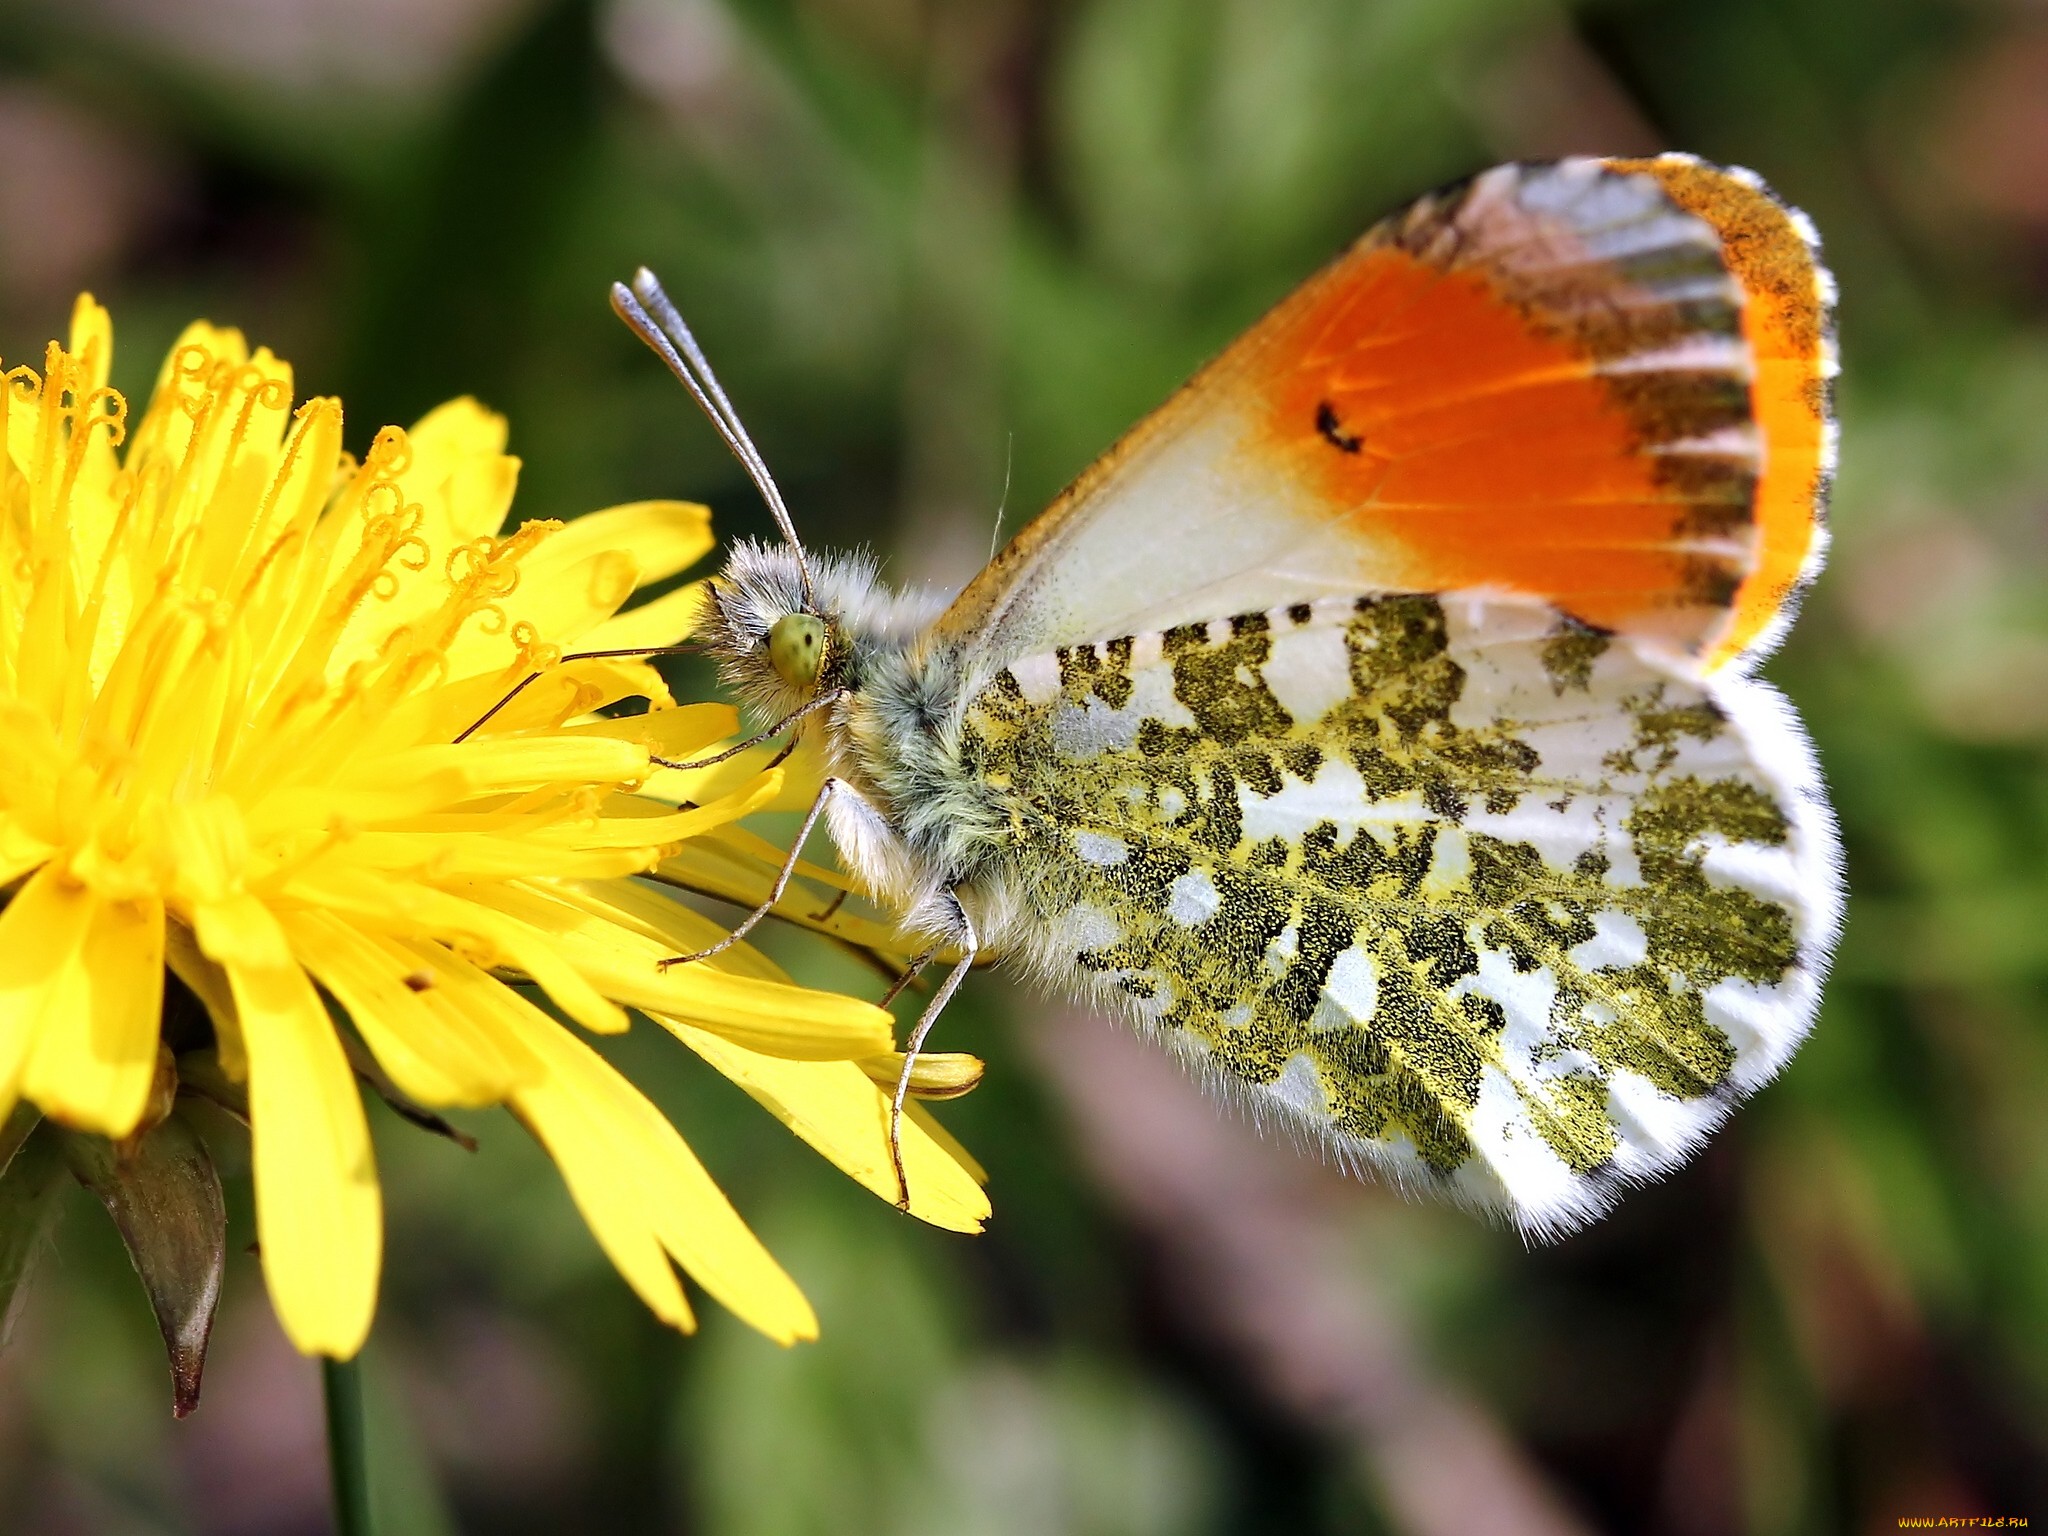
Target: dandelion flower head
{"x":236,"y":673}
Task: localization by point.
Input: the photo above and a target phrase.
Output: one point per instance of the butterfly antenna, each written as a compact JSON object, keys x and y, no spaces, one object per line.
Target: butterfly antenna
{"x":995,"y":537}
{"x":653,"y":317}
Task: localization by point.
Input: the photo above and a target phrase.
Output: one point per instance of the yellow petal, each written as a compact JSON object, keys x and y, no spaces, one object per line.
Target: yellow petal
{"x":544,"y":851}
{"x":92,"y":1069}
{"x":675,"y":732}
{"x":635,"y":1179}
{"x":591,"y":1154}
{"x":209,"y":983}
{"x":834,"y":1107}
{"x":407,"y":909}
{"x":41,"y":982}
{"x":663,"y":536}
{"x":457,"y":845}
{"x":803,"y":773}
{"x":495,"y":765}
{"x":498,"y":700}
{"x":319,"y":1216}
{"x":725,"y":865}
{"x":436,"y":1055}
{"x":240,"y":931}
{"x":674,"y":928}
{"x":92,"y":339}
{"x":460,"y":473}
{"x":764,"y":1015}
{"x":667,"y":620}
{"x":603,"y":1169}
{"x":945,"y":1140}
{"x":366,"y":797}
{"x":796,"y":1022}
{"x":20,"y":850}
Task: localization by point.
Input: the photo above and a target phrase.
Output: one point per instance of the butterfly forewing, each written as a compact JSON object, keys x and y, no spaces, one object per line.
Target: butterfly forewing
{"x":1600,"y":383}
{"x":1481,"y":895}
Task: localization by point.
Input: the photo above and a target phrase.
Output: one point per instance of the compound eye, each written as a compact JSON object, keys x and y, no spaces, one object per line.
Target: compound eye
{"x":796,"y":648}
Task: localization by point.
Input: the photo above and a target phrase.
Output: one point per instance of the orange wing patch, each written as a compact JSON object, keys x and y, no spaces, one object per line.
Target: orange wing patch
{"x":1598,"y":386}
{"x":1487,"y":450}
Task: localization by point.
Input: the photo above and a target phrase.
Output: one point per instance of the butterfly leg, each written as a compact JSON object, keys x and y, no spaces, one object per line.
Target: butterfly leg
{"x":970,"y":943}
{"x":752,"y":920}
{"x":910,"y":973}
{"x":822,"y":701}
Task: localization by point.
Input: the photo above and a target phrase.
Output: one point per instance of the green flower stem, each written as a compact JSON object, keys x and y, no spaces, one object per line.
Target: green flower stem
{"x":341,"y":1382}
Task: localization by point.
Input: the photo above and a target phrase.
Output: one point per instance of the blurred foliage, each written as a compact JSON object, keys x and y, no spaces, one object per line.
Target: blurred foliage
{"x":943,"y":252}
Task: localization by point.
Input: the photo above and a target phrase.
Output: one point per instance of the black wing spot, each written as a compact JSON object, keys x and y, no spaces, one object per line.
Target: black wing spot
{"x":1333,"y":430}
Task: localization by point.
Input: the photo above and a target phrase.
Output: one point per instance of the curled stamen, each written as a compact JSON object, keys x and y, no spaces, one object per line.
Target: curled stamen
{"x":322,"y":405}
{"x":411,"y":544}
{"x":390,"y":454}
{"x":115,"y":420}
{"x":375,"y":521}
{"x":534,"y":653}
{"x":486,"y":568}
{"x":467,"y":562}
{"x":270,"y":392}
{"x":400,"y":639}
{"x":193,"y":361}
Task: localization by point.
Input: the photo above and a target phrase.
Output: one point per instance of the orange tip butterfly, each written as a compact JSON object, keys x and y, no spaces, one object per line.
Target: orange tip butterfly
{"x":1374,"y":725}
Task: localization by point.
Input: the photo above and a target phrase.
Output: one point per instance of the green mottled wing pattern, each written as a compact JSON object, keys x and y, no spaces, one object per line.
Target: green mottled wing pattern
{"x":1500,"y":904}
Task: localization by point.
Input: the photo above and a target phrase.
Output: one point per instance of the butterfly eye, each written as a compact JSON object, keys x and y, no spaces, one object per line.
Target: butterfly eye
{"x":796,"y":648}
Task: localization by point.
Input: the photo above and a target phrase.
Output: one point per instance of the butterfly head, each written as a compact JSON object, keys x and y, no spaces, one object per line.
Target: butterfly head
{"x":780,"y":645}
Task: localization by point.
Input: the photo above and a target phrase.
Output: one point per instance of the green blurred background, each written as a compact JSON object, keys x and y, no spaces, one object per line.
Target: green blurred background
{"x":943,"y":251}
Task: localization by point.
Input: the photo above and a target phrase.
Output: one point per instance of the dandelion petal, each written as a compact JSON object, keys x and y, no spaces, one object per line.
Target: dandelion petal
{"x":94,"y":1069}
{"x":819,"y":1100}
{"x":318,"y":1213}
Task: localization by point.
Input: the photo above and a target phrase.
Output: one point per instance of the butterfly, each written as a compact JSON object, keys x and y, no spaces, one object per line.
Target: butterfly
{"x":1374,"y":724}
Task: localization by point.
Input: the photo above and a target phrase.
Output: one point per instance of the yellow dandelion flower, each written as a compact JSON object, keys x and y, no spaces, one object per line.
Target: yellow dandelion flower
{"x":237,"y":671}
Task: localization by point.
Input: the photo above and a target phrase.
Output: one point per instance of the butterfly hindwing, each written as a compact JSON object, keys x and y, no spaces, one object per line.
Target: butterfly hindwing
{"x":1500,"y":903}
{"x":1599,"y":383}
